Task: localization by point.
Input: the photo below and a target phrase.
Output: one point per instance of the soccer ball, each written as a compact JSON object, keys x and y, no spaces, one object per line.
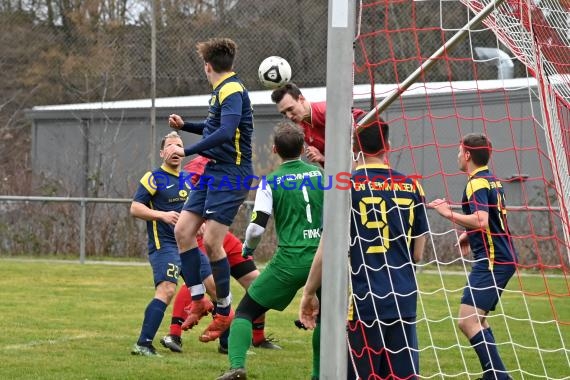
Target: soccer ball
{"x":274,"y":72}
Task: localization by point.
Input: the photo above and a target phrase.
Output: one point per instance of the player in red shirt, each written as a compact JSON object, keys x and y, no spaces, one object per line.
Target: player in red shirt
{"x":310,"y":116}
{"x":242,"y":269}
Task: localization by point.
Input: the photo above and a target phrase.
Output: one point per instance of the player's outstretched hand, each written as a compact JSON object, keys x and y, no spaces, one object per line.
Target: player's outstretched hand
{"x":175,"y":121}
{"x":173,"y":150}
{"x":170,"y":217}
{"x":309,"y":310}
{"x":246,"y":251}
{"x":441,"y":206}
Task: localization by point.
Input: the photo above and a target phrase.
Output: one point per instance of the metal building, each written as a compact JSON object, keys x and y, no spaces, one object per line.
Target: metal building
{"x":102,"y":149}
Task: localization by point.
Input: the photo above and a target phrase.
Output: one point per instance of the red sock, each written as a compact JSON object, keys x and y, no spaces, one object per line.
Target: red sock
{"x":178,"y":314}
{"x":259,"y":330}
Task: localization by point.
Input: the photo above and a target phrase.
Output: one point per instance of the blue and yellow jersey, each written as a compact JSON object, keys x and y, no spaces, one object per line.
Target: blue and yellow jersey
{"x":388,"y":212}
{"x":160,"y":190}
{"x":484,"y":192}
{"x":230,"y":97}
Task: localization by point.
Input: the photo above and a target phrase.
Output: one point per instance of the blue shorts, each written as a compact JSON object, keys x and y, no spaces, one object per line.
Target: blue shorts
{"x":388,"y":351}
{"x":484,"y":287}
{"x":165,"y":263}
{"x":220,"y":192}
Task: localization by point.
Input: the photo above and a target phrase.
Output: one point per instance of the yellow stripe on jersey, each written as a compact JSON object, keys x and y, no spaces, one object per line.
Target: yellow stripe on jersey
{"x":476,"y":184}
{"x":155,"y":230}
{"x":420,"y":189}
{"x":223,"y":78}
{"x":238,"y":151}
{"x":479,"y":169}
{"x":491,"y":248}
{"x":174,"y":172}
{"x":373,"y":166}
{"x":350,"y":315}
{"x":149,"y":183}
{"x":229,"y":89}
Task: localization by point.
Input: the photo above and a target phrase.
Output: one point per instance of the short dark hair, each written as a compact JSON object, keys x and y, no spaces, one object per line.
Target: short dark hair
{"x":289,"y":140}
{"x":479,"y":146}
{"x":170,"y":135}
{"x":372,"y":139}
{"x":218,"y":52}
{"x":290,"y":88}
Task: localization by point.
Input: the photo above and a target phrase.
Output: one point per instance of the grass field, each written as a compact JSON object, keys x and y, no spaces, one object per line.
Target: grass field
{"x":69,"y":321}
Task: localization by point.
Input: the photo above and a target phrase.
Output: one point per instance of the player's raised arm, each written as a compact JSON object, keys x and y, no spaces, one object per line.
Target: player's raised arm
{"x":478,"y":220}
{"x":261,"y":212}
{"x":176,"y":122}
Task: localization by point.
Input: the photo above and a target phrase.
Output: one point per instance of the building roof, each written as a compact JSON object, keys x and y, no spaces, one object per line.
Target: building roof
{"x":263,"y":98}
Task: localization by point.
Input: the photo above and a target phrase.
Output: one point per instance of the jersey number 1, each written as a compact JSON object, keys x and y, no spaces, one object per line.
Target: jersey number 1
{"x":308,"y":207}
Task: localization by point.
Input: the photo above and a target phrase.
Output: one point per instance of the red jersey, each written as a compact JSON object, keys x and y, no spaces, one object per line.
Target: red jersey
{"x":315,"y":128}
{"x":196,"y":167}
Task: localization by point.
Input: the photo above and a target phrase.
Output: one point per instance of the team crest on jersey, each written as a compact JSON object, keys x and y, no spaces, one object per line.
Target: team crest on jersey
{"x":183,"y":193}
{"x":213,"y":100}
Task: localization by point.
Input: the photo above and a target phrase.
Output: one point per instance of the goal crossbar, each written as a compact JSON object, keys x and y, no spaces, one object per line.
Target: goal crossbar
{"x":428,"y":64}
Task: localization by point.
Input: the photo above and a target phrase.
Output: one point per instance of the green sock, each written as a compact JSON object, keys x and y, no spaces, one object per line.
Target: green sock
{"x":241,"y":332}
{"x":316,"y":350}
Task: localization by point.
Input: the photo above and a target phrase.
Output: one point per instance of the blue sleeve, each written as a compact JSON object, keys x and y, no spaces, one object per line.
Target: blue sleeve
{"x":196,"y":128}
{"x":479,"y":201}
{"x":142,"y":195}
{"x":230,"y":118}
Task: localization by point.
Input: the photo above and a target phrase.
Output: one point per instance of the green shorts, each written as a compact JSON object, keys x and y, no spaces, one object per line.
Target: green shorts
{"x":277,"y":285}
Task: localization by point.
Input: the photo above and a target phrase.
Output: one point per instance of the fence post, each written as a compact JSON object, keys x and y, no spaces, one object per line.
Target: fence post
{"x":82,"y":223}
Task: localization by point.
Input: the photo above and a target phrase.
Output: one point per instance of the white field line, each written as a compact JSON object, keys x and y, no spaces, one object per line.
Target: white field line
{"x":259,"y":266}
{"x":87,"y":262}
{"x":34,"y":343}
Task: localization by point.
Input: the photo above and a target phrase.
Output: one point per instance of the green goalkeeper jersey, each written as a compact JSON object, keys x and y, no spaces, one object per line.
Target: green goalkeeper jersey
{"x":293,"y":194}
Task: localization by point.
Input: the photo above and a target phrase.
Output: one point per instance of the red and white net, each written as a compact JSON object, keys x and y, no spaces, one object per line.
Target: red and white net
{"x":509,"y":79}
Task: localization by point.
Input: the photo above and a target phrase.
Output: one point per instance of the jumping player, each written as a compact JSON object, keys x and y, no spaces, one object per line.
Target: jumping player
{"x":227,"y":133}
{"x":311,"y":116}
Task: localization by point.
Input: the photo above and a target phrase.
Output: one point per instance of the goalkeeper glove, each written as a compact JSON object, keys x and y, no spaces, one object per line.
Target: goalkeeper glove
{"x":246,"y":251}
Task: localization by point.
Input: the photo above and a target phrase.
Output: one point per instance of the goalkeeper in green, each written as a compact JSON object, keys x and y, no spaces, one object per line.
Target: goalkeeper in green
{"x":293,"y":194}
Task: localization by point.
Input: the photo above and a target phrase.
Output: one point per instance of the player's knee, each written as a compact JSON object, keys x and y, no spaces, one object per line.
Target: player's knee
{"x":165,"y":291}
{"x":213,"y":249}
{"x":249,"y":309}
{"x":461,"y":324}
{"x":246,"y":280}
{"x":170,"y":292}
{"x":208,"y":246}
{"x":178,"y":230}
{"x":464,"y":325}
{"x":181,"y":233}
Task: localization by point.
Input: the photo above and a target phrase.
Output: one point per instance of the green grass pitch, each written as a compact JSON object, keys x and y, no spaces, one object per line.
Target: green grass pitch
{"x":69,"y":321}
